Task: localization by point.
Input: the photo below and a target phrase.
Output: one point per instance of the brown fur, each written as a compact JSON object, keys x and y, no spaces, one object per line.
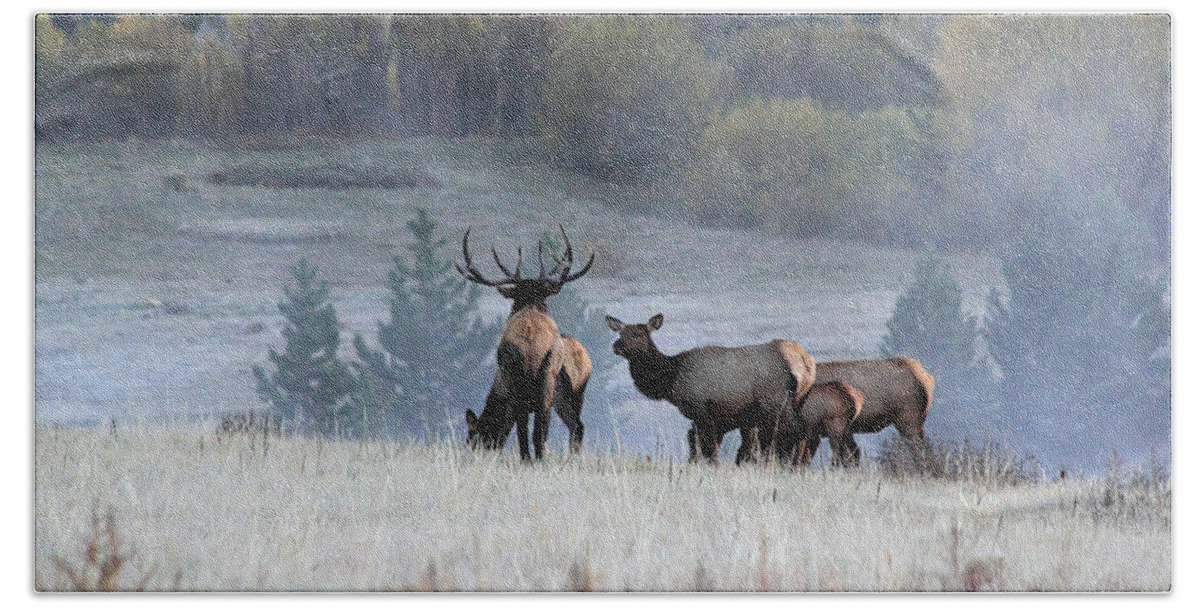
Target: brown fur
{"x":721,"y":388}
{"x":537,"y":368}
{"x":829,"y":410}
{"x":568,"y":392}
{"x":896,"y":392}
{"x":535,"y":336}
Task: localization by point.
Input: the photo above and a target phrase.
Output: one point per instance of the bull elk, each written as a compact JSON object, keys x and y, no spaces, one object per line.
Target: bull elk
{"x":720,"y":388}
{"x":537,"y":368}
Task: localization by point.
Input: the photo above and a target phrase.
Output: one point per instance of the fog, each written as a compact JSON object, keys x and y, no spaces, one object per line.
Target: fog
{"x":750,"y":177}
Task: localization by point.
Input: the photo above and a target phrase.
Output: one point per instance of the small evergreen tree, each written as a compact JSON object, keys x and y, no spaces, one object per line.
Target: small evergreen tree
{"x":435,"y":347}
{"x":928,"y":325}
{"x":310,"y":385}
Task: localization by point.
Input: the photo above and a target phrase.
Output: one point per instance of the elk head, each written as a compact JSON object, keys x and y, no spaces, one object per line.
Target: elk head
{"x":522,"y":291}
{"x":634,"y":340}
{"x":489,"y":433}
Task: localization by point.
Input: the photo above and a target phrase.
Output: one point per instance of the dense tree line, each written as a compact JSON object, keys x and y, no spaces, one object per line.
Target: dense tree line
{"x":903,"y":129}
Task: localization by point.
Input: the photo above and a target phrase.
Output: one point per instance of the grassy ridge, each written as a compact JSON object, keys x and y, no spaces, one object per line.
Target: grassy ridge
{"x":237,"y":512}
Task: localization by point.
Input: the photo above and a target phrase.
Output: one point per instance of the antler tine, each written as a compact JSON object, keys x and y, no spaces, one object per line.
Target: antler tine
{"x":518,"y":277}
{"x":541,"y":262}
{"x":468,"y":270}
{"x":570,"y":257}
{"x":496,"y":256}
{"x":586,"y":267}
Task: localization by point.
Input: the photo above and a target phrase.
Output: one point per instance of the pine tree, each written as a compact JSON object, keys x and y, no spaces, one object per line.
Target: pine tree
{"x":310,"y":385}
{"x":1084,"y":333}
{"x":434,"y":348}
{"x":1081,"y":332}
{"x":928,"y":325}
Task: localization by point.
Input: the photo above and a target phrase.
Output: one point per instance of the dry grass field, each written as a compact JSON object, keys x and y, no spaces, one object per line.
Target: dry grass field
{"x":130,"y":509}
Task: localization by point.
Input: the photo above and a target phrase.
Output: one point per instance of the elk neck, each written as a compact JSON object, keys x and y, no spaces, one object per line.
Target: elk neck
{"x":538,"y":305}
{"x":653,"y":372}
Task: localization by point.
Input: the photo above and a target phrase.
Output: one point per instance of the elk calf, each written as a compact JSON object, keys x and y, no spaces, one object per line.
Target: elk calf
{"x":720,"y":388}
{"x":829,"y":410}
{"x":533,"y":358}
{"x":895,"y":392}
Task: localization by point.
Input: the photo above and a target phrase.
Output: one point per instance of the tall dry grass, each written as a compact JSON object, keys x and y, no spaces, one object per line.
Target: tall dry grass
{"x":230,"y":513}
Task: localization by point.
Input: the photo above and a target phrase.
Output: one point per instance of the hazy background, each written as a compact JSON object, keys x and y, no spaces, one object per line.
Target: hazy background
{"x":990,"y":194}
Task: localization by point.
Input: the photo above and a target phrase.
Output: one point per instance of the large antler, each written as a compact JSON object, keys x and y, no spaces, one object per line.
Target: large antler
{"x":561,"y":273}
{"x":557,"y":277}
{"x":468,"y":270}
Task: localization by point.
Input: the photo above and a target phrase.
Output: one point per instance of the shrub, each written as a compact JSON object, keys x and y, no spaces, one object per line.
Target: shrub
{"x":1123,"y":494}
{"x":104,"y":565}
{"x":991,"y":462}
{"x":811,"y":170}
{"x":624,"y":97}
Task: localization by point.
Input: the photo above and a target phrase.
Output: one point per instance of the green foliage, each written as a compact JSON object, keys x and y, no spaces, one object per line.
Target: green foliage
{"x":812,"y":170}
{"x":928,"y":324}
{"x":434,"y":347}
{"x":310,"y":385}
{"x":625,"y":96}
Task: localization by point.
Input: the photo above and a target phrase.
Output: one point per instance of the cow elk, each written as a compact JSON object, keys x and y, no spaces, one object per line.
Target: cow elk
{"x":537,"y":368}
{"x":896,"y":392}
{"x":721,"y":388}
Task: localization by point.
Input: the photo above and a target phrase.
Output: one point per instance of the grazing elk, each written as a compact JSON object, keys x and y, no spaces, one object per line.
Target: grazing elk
{"x":533,"y":359}
{"x":720,"y":388}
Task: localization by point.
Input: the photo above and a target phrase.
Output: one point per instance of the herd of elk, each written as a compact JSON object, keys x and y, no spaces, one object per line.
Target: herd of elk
{"x":773,"y":393}
{"x":537,"y":368}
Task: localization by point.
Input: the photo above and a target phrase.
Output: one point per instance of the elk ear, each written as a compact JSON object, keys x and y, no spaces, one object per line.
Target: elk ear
{"x":472,"y":421}
{"x":655,"y":322}
{"x":614,"y":323}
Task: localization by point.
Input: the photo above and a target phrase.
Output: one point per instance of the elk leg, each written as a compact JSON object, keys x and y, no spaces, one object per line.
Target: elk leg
{"x":837,"y":450}
{"x":540,"y":420}
{"x":748,"y":451}
{"x":541,"y":413}
{"x":852,"y":452}
{"x":569,"y":406}
{"x":707,"y":440}
{"x":798,"y":452}
{"x":522,"y":421}
{"x":693,"y":455}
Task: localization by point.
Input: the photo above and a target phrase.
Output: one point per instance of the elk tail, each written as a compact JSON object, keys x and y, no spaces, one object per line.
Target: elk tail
{"x":924,"y":381}
{"x":801,"y":364}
